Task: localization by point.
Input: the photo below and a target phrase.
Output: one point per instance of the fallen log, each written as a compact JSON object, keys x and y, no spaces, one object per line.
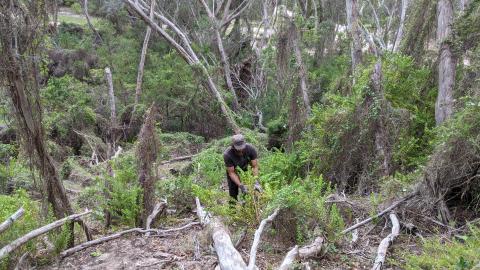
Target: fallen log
{"x":388,"y":209}
{"x":303,"y":253}
{"x":228,"y":257}
{"x":159,"y":207}
{"x":386,"y":242}
{"x":7,"y":223}
{"x":256,"y":239}
{"x":178,"y":159}
{"x":35,"y":233}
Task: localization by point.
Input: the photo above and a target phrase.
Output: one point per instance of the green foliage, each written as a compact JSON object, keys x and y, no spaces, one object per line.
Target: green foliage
{"x":458,"y":254}
{"x":179,"y":143}
{"x":27,"y":223}
{"x":14,"y":174}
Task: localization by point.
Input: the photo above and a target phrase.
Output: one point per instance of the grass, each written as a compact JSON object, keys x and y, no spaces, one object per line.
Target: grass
{"x":75,"y":19}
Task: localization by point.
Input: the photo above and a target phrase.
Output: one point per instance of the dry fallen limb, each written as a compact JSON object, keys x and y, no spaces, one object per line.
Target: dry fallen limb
{"x":388,"y":209}
{"x":256,"y":239}
{"x":23,"y":262}
{"x":22,"y":240}
{"x":178,"y":159}
{"x":382,"y":248}
{"x":88,"y":244}
{"x":228,"y":257}
{"x":305,"y":252}
{"x":7,"y":223}
{"x":159,"y":207}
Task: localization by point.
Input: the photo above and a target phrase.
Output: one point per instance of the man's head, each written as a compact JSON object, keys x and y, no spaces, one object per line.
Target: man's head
{"x":238,"y":142}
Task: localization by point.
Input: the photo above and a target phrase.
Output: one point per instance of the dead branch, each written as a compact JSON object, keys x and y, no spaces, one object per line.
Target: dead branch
{"x":386,"y":242}
{"x":256,"y":239}
{"x":159,"y":207}
{"x":89,"y":22}
{"x":7,"y":223}
{"x":35,"y":233}
{"x":178,"y":159}
{"x":388,"y":209}
{"x":23,"y":262}
{"x":303,"y":253}
{"x":191,"y":224}
{"x":228,"y":257}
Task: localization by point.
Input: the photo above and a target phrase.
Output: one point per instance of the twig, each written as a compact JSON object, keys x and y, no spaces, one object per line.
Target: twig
{"x":388,"y":209}
{"x":386,"y":242}
{"x":256,"y":239}
{"x":35,"y":233}
{"x":7,"y":223}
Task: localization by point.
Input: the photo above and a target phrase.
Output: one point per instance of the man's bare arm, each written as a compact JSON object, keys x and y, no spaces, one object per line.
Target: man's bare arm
{"x":233,"y":175}
{"x":254,"y":164}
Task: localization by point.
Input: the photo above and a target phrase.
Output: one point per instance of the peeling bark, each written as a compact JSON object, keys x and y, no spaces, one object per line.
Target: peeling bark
{"x":354,"y":32}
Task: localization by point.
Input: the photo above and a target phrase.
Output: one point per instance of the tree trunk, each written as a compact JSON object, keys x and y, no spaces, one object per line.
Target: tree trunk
{"x":354,"y":32}
{"x":226,"y":70}
{"x":302,"y":73}
{"x":147,"y":155}
{"x":399,"y":38}
{"x":447,"y":62}
{"x":141,"y":65}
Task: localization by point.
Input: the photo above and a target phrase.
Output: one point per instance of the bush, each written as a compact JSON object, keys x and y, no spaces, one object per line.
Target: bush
{"x":458,"y":254}
{"x":29,"y":221}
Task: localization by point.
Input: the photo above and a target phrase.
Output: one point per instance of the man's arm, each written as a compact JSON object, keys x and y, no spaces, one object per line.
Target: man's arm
{"x":233,"y":175}
{"x":254,"y":164}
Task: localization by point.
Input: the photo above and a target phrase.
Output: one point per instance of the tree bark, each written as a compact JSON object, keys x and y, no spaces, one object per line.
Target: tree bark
{"x":141,"y":65}
{"x":447,"y":62}
{"x":302,"y":73}
{"x":399,"y":37}
{"x":147,"y":155}
{"x":354,"y":32}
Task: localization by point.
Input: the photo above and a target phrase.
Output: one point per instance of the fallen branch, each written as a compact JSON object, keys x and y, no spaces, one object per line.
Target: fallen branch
{"x":178,"y":159}
{"x":159,"y":207}
{"x":256,"y":239}
{"x":35,"y":233}
{"x":7,"y":223}
{"x":388,"y":209}
{"x":23,"y":262}
{"x":303,"y":253}
{"x":228,"y":257}
{"x":88,"y":244}
{"x":386,"y":242}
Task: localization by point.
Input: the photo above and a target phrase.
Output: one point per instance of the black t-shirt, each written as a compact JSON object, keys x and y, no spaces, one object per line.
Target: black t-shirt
{"x":233,"y":160}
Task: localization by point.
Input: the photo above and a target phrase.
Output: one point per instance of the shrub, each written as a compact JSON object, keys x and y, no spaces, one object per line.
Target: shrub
{"x":458,"y":254}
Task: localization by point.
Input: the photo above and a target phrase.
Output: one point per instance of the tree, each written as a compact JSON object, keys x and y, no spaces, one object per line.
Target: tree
{"x":184,"y":49}
{"x":446,"y":63}
{"x":354,"y":32}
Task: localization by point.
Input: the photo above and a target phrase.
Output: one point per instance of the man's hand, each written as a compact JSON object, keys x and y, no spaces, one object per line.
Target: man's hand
{"x":243,"y":189}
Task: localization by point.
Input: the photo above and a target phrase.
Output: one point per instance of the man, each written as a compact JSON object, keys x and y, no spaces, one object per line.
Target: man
{"x":239,"y":155}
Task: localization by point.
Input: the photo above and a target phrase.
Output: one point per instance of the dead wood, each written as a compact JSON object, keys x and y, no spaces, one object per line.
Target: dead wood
{"x":35,"y":233}
{"x":388,"y":209}
{"x":386,"y":242}
{"x":228,"y":257}
{"x":256,"y":239}
{"x":7,"y":223}
{"x":159,"y":207}
{"x":303,"y":253}
{"x":23,"y":262}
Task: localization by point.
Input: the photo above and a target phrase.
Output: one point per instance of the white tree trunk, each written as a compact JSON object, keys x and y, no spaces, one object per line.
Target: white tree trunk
{"x":386,"y":242}
{"x":302,"y":72}
{"x":399,"y":38}
{"x":111,"y":97}
{"x":447,"y":62}
{"x":141,"y":65}
{"x":355,"y":33}
{"x":7,"y":223}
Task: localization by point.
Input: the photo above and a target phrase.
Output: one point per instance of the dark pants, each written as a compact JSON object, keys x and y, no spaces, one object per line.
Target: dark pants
{"x":232,"y":189}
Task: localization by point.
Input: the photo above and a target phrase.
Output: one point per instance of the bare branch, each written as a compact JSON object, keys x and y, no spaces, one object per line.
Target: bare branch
{"x":7,"y":223}
{"x":256,"y":239}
